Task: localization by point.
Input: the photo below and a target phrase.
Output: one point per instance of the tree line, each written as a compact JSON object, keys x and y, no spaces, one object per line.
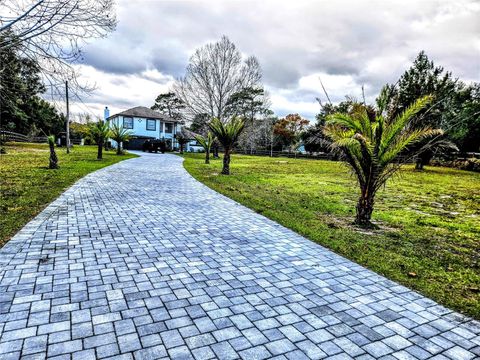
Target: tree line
{"x":455,"y":108}
{"x":426,"y":112}
{"x":219,"y":83}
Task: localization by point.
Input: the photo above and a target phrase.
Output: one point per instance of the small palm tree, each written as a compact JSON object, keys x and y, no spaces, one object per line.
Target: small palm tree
{"x":206,"y":142}
{"x":53,"y":164}
{"x":375,"y":146}
{"x":99,"y":131}
{"x":227,"y":134}
{"x":183,"y":137}
{"x":120,"y":135}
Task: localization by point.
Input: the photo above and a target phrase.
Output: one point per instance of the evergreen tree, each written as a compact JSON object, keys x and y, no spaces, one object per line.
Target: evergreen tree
{"x":22,"y":110}
{"x":421,"y":79}
{"x":200,"y":124}
{"x":169,"y":104}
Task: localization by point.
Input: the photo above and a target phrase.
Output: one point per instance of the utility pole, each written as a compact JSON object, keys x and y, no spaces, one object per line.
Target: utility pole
{"x":271,"y":142}
{"x":68,"y":119}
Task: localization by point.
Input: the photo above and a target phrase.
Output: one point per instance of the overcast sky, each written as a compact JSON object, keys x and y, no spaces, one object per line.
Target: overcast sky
{"x":346,"y":43}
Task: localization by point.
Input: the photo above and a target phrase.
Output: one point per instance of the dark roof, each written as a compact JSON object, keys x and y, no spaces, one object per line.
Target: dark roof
{"x":144,"y":112}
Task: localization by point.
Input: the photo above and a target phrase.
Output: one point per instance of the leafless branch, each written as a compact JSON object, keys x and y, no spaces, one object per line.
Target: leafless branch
{"x":216,"y":71}
{"x":52,"y":33}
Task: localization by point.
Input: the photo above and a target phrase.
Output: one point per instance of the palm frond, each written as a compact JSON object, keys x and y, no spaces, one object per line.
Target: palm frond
{"x":120,"y":134}
{"x":228,"y":133}
{"x":337,"y":132}
{"x":398,"y":124}
{"x":407,"y":139}
{"x":51,"y":140}
{"x":344,"y":120}
{"x":99,"y":130}
{"x":205,"y":141}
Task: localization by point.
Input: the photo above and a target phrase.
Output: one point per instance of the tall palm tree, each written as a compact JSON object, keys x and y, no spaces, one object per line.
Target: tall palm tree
{"x":99,"y":131}
{"x":206,"y":142}
{"x":375,"y":145}
{"x":53,"y":161}
{"x":227,"y":134}
{"x":120,"y":135}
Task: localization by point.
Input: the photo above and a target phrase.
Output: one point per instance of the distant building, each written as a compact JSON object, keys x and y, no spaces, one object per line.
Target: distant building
{"x":146,"y":124}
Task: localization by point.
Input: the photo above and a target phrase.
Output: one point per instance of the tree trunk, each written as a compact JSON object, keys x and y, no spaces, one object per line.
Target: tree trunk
{"x":226,"y":162}
{"x":119,"y":148}
{"x":215,"y":151}
{"x":207,"y":156}
{"x":100,"y":150}
{"x":53,"y":158}
{"x":423,"y":159}
{"x":181,"y":148}
{"x":365,"y":209}
{"x":419,"y":164}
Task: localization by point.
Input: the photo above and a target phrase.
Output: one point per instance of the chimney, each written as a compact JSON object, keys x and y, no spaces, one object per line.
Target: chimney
{"x":106,"y":113}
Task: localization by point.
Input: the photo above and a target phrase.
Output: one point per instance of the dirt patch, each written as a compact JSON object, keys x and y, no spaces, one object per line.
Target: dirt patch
{"x":347,"y":222}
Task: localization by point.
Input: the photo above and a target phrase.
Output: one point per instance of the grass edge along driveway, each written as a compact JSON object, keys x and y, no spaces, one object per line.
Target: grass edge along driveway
{"x":27,"y":186}
{"x":429,"y":221}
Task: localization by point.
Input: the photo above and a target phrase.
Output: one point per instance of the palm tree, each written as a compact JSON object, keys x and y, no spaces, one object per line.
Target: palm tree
{"x":120,"y":135}
{"x":53,"y":164}
{"x":227,"y":134}
{"x":183,"y":137}
{"x":206,"y":142}
{"x":375,"y":145}
{"x":99,"y":131}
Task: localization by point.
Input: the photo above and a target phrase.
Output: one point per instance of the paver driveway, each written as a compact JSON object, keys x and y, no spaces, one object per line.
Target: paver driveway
{"x":139,"y":260}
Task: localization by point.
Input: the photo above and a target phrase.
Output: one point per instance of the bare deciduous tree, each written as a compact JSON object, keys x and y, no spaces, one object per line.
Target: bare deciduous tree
{"x":52,"y":32}
{"x":216,"y":71}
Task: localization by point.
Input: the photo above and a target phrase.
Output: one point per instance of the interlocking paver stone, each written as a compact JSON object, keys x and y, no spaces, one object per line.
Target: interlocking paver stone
{"x":140,"y":261}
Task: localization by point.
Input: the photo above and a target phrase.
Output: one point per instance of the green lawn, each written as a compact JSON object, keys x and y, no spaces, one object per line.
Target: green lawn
{"x":429,"y":236}
{"x":27,"y":186}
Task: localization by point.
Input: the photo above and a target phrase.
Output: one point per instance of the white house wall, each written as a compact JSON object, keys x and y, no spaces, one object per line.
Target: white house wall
{"x":140,"y":128}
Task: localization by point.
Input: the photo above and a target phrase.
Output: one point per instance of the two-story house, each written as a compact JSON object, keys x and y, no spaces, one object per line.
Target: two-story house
{"x":144,"y":123}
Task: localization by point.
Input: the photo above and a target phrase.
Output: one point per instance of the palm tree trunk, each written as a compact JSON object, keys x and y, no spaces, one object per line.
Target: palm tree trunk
{"x":207,"y":156}
{"x":423,"y":159}
{"x":100,"y":150}
{"x":53,"y":157}
{"x":215,"y":151}
{"x":226,"y":162}
{"x":119,"y":148}
{"x":365,"y":208}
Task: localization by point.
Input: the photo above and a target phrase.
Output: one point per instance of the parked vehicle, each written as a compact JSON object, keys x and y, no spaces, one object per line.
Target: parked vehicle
{"x":155,"y":146}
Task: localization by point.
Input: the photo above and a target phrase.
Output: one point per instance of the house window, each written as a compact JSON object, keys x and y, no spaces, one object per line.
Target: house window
{"x":168,"y":128}
{"x":128,"y":123}
{"x":151,"y":124}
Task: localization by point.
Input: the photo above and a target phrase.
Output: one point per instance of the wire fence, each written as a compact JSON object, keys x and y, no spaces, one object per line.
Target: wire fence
{"x":10,"y":136}
{"x":16,"y":137}
{"x":332,"y":156}
{"x":288,"y":154}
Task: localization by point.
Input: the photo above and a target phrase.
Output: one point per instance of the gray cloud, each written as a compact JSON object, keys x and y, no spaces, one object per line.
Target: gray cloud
{"x":350,"y":43}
